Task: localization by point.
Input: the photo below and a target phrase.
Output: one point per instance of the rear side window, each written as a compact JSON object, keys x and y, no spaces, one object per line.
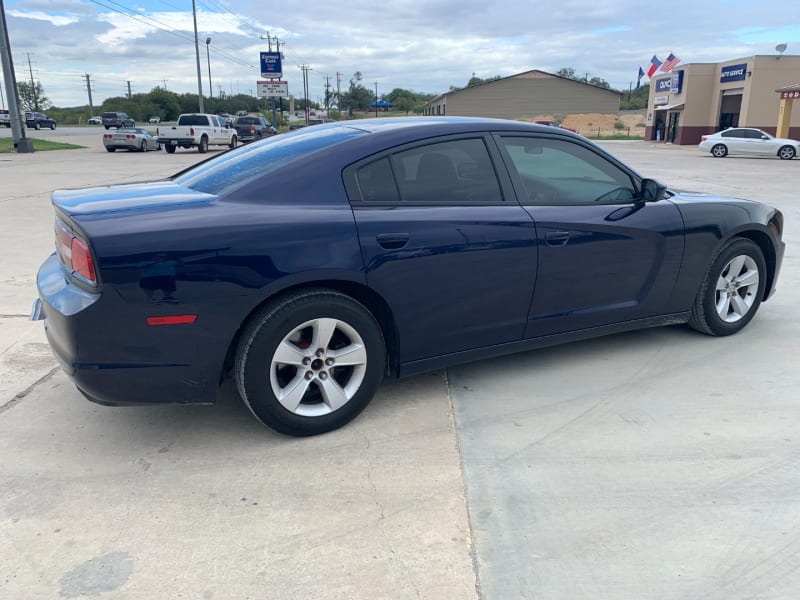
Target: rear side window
{"x":450,"y":172}
{"x":734,"y":133}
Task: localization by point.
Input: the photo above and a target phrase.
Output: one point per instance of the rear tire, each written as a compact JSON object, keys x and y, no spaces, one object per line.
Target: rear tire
{"x":202,"y":147}
{"x":234,"y":141}
{"x":719,"y":151}
{"x":38,"y":126}
{"x":732,"y":289}
{"x":144,"y":146}
{"x":53,"y":127}
{"x":110,"y":149}
{"x":309,"y":362}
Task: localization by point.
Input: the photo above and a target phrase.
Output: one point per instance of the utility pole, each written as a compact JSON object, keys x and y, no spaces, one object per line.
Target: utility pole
{"x":33,"y":85}
{"x":21,"y":143}
{"x":338,"y":90}
{"x":89,"y":90}
{"x":327,"y":93}
{"x":197,"y":60}
{"x":376,"y":99}
{"x":129,"y":89}
{"x":305,"y":69}
{"x":164,"y":81}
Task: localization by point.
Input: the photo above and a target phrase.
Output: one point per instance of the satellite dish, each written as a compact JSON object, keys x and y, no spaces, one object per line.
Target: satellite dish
{"x":780,"y":48}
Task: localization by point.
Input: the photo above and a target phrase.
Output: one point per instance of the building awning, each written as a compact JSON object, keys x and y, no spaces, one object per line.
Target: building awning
{"x":670,"y":107}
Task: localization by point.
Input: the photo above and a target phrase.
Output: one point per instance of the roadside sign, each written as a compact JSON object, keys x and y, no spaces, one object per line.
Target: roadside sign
{"x":271,"y":65}
{"x":273,"y":89}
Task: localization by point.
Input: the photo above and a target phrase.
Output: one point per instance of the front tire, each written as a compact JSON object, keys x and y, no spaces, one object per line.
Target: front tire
{"x":234,"y":141}
{"x":787,"y":153}
{"x":719,"y":151}
{"x":53,"y":127}
{"x":202,"y":147}
{"x":732,"y":289}
{"x":310,"y":362}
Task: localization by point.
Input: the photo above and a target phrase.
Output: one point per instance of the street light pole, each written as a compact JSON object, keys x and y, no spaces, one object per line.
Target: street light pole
{"x":197,"y":56}
{"x":210,"y":89}
{"x":376,"y":99}
{"x":21,"y":143}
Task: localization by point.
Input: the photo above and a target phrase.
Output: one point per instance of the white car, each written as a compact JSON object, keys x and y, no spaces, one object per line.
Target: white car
{"x":155,"y":120}
{"x":748,"y":141}
{"x":95,"y":121}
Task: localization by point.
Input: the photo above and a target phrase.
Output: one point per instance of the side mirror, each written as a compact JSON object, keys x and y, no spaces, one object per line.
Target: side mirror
{"x":652,"y":190}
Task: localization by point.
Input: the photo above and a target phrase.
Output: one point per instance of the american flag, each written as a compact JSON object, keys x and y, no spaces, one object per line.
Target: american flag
{"x":669,"y":64}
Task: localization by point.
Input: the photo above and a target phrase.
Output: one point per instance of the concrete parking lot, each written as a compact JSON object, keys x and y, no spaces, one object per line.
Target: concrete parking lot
{"x":654,"y":464}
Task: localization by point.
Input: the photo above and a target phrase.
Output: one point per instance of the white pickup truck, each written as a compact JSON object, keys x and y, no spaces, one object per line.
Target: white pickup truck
{"x":197,"y":130}
{"x":5,"y":118}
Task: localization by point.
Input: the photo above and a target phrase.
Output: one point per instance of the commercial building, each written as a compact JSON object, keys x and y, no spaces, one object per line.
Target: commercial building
{"x":700,"y":98}
{"x":525,"y":95}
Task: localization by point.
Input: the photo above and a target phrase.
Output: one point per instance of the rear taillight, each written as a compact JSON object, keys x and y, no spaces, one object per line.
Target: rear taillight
{"x":74,"y":254}
{"x":191,"y":131}
{"x":131,"y":137}
{"x":252,"y":128}
{"x":704,"y":138}
{"x":107,"y":136}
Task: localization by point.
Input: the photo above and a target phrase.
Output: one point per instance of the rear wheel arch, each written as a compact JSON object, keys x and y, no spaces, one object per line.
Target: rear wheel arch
{"x":371,"y":300}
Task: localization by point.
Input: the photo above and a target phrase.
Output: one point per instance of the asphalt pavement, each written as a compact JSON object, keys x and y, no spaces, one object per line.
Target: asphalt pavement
{"x":653,"y":464}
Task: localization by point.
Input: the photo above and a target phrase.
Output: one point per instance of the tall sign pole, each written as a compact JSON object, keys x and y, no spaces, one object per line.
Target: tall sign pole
{"x":21,"y":143}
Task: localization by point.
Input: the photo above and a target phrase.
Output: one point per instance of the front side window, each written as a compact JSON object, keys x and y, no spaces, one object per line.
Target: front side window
{"x":561,"y":172}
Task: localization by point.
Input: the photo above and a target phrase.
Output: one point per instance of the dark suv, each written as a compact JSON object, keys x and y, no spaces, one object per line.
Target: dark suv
{"x":37,"y":120}
{"x":117,"y":119}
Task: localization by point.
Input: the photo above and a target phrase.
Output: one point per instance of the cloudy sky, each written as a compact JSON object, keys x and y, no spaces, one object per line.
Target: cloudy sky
{"x":423,"y":45}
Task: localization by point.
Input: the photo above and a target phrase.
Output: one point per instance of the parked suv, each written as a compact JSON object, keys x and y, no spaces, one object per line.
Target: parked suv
{"x":117,"y":119}
{"x":37,"y":120}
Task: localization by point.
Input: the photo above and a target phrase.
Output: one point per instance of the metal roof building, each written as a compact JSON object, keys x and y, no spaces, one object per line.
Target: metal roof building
{"x":526,"y":95}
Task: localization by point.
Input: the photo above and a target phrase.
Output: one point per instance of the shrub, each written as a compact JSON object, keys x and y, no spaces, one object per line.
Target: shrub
{"x":619,"y":124}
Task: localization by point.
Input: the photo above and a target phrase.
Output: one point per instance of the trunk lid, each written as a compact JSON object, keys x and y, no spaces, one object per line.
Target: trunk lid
{"x":129,"y":197}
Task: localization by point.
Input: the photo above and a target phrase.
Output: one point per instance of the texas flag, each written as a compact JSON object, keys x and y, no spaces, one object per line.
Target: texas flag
{"x":654,"y":64}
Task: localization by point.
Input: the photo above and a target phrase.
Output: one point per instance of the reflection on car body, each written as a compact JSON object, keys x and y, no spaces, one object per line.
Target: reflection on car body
{"x":308,"y":266}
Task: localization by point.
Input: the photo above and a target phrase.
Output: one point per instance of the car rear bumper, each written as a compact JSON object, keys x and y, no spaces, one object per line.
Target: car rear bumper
{"x":127,"y":363}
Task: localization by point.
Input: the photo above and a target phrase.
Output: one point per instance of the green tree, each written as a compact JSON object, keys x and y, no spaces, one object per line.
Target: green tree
{"x":32,"y":96}
{"x":473,"y":81}
{"x":569,"y":73}
{"x":635,"y":99}
{"x":357,"y":97}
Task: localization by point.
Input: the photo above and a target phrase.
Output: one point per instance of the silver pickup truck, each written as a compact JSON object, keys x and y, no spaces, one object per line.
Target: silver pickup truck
{"x":197,"y":130}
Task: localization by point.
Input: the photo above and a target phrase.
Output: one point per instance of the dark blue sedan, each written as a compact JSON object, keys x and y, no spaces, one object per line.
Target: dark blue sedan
{"x":309,"y":265}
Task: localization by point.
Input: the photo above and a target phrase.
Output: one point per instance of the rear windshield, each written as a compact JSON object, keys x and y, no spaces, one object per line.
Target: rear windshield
{"x":193,"y":120}
{"x":109,"y":115}
{"x":247,"y":121}
{"x":223,"y":174}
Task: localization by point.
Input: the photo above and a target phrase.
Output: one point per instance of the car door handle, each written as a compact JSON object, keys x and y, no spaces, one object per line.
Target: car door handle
{"x":556,"y":238}
{"x":392,"y":241}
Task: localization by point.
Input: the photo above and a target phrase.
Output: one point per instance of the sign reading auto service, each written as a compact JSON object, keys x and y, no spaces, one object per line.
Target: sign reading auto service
{"x":273,"y":89}
{"x":271,"y":65}
{"x":733,"y":73}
